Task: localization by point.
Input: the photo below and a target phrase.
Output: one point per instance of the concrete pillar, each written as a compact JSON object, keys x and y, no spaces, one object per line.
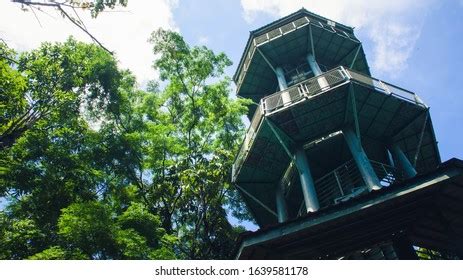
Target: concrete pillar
{"x":322,"y":82}
{"x":307,"y":183}
{"x":282,"y":211}
{"x":401,"y":160}
{"x":285,"y":98}
{"x":314,"y":65}
{"x":363,"y":163}
{"x":281,"y":78}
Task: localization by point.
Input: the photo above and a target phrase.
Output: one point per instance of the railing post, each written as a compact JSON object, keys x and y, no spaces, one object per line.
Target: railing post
{"x":363,"y":163}
{"x":338,"y":182}
{"x":401,"y":159}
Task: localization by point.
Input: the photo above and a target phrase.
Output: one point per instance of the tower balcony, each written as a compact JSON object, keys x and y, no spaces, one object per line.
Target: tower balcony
{"x":314,"y":114}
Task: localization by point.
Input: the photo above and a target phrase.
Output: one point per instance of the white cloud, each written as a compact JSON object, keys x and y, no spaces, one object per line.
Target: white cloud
{"x":393,"y":26}
{"x":203,"y":40}
{"x":123,"y":30}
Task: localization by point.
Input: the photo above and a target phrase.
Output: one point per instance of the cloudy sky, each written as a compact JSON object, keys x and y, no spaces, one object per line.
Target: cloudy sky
{"x":416,"y":44}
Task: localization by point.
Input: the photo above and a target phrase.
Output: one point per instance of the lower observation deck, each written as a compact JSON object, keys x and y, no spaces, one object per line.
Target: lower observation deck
{"x":312,"y":114}
{"x":427,"y":209}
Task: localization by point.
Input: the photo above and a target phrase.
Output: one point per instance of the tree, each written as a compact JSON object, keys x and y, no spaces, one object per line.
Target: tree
{"x":191,"y":178}
{"x":99,"y":169}
{"x":53,"y":83}
{"x":68,"y":9}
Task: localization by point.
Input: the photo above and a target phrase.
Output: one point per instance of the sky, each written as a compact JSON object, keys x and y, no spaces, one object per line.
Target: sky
{"x":415,"y":44}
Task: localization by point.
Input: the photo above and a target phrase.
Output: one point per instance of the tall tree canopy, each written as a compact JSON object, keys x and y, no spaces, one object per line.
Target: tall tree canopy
{"x":93,"y":167}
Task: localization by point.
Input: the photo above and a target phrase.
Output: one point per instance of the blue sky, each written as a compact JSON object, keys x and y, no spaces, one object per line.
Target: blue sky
{"x":415,"y":44}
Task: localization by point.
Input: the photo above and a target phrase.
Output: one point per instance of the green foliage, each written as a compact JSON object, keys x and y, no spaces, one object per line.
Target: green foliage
{"x":58,"y":253}
{"x":88,"y":226}
{"x":95,"y":168}
{"x":18,"y":238}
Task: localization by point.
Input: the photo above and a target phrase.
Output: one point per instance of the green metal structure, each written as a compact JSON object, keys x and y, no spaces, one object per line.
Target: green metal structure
{"x":324,"y":135}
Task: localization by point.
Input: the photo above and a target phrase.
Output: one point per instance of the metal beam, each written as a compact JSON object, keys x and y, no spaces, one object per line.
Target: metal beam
{"x":348,"y":103}
{"x":421,"y":139}
{"x":311,"y":40}
{"x":355,"y":56}
{"x":266,"y":60}
{"x":354,"y":110}
{"x":348,"y":54}
{"x":277,"y":132}
{"x":282,"y":209}
{"x":257,"y":200}
{"x":408,"y":125}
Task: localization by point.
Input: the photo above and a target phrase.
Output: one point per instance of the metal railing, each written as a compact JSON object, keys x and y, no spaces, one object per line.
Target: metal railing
{"x":248,"y":139}
{"x":345,"y":182}
{"x":309,"y":88}
{"x":386,"y":88}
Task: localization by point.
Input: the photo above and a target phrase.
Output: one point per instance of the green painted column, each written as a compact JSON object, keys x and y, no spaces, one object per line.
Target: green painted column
{"x":282,"y":211}
{"x":307,"y":183}
{"x":314,"y":65}
{"x":282,"y":84}
{"x":363,"y":163}
{"x":402,"y":161}
{"x":322,"y":82}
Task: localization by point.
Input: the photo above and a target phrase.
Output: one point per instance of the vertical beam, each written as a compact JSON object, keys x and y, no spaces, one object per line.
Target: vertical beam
{"x":363,"y":163}
{"x":307,"y":183}
{"x":313,"y":65}
{"x":282,"y":211}
{"x":300,"y":160}
{"x":281,"y":78}
{"x":311,"y":40}
{"x":402,"y":161}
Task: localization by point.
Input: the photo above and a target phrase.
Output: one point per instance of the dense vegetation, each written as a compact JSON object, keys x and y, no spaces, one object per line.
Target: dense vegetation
{"x":91,"y":167}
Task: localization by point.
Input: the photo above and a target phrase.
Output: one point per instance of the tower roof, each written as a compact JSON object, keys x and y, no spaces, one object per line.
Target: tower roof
{"x":285,"y":43}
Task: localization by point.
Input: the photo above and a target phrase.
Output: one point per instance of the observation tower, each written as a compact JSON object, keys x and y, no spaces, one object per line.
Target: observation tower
{"x":337,"y":164}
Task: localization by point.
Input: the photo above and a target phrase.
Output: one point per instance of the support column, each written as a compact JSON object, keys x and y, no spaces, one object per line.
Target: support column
{"x":285,"y":98}
{"x":322,"y":82}
{"x":281,"y":204}
{"x":307,"y":183}
{"x":363,"y":163}
{"x":279,"y":195}
{"x":281,"y":78}
{"x":402,"y":161}
{"x":314,"y":65}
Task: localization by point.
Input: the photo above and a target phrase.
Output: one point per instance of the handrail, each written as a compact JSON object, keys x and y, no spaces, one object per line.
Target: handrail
{"x":345,"y":182}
